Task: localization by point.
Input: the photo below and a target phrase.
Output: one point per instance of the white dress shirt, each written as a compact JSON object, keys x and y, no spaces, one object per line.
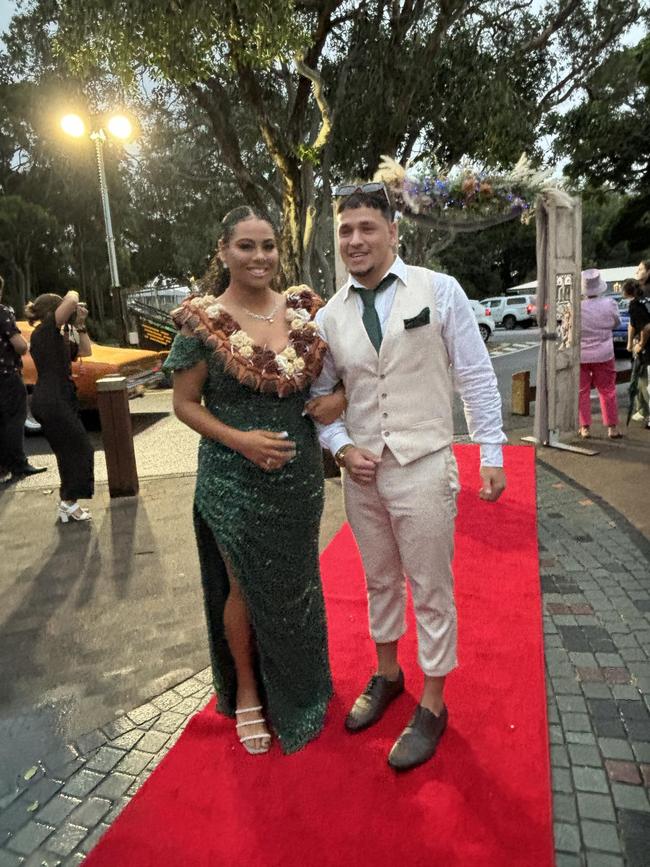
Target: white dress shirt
{"x":473,"y":374}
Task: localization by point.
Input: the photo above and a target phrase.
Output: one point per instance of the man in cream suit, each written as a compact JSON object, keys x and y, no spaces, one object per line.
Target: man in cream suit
{"x":399,"y":337}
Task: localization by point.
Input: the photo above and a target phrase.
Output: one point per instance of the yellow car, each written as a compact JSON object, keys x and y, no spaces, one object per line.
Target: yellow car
{"x":141,"y":368}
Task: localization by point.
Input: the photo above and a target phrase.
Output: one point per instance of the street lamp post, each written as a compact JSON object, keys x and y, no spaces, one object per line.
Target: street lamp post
{"x":120,"y":127}
{"x":99,"y":138}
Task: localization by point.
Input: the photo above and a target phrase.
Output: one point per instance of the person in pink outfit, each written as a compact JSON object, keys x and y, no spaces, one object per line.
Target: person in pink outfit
{"x":599,"y":316}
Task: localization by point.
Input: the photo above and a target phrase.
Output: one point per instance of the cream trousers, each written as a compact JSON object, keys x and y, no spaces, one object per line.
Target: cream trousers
{"x":404,"y":525}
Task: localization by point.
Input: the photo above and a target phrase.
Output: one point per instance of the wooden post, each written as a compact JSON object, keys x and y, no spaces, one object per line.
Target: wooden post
{"x":559,"y":260}
{"x":117,"y":433}
{"x":521,"y":393}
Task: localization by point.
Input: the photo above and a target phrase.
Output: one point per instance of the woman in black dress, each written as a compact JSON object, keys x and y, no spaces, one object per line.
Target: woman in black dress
{"x":59,"y":339}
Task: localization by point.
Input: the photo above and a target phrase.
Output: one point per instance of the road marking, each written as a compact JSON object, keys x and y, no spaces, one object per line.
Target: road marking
{"x":509,"y":348}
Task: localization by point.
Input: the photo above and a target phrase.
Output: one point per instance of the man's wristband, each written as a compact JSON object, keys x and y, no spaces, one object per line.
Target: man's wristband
{"x":340,"y":454}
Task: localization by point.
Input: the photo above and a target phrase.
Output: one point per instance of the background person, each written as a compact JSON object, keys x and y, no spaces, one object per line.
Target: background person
{"x":643,"y":276}
{"x":598,"y":316}
{"x":638,"y":343}
{"x":54,"y":344}
{"x":242,"y":368}
{"x":13,"y":397}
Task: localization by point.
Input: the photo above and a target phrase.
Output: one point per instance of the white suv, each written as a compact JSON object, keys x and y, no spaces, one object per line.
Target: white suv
{"x":484,"y":319}
{"x":512,"y":310}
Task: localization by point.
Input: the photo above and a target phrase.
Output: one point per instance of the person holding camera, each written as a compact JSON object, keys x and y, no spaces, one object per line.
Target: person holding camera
{"x":58,"y":340}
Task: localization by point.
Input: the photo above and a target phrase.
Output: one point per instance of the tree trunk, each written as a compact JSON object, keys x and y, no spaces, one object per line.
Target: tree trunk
{"x":19,"y":283}
{"x":28,"y":276}
{"x":291,"y":246}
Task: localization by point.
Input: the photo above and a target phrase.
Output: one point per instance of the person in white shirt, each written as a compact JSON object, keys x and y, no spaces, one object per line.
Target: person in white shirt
{"x":399,"y":338}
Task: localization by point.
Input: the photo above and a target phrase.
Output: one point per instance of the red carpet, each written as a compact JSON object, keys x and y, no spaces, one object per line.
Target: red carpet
{"x":483,"y":801}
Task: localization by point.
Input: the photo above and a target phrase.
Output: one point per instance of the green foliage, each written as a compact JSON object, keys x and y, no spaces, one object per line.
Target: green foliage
{"x":486,"y":263}
{"x":179,"y":40}
{"x":225,"y":115}
{"x":607,"y":141}
{"x":607,"y":137}
{"x":180,"y":192}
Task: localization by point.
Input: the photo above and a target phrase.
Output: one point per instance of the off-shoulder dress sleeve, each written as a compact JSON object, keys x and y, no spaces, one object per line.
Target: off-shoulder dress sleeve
{"x":185,"y":353}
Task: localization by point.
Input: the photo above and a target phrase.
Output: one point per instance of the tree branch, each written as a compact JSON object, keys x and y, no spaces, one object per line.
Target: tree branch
{"x":319,"y":36}
{"x":216,"y":104}
{"x":542,"y":38}
{"x":277,"y":147}
{"x":317,"y":89}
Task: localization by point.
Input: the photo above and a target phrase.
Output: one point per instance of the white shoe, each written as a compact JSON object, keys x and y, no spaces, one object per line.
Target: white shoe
{"x":638,"y":416}
{"x":74,"y":512}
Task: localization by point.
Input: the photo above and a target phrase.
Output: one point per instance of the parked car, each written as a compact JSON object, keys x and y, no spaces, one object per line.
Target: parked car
{"x":512,"y":310}
{"x":484,"y":319}
{"x":141,"y":368}
{"x":620,"y":332}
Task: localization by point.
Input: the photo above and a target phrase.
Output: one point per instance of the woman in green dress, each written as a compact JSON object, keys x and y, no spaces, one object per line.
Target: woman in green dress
{"x":242,"y":368}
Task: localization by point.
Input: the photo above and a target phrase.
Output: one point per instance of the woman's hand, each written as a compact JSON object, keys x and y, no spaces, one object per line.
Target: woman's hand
{"x":66,"y":308}
{"x":266,"y":449}
{"x":327,"y":408}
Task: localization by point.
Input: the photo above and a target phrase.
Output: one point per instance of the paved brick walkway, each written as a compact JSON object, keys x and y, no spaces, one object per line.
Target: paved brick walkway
{"x":596,"y":589}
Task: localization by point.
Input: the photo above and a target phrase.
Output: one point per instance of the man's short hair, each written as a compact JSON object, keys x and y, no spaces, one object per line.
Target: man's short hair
{"x":377,"y":200}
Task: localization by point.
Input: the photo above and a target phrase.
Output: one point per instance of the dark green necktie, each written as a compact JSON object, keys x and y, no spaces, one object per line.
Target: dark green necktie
{"x":370,"y":316}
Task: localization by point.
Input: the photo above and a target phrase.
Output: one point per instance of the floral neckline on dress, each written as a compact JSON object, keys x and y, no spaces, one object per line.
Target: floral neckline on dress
{"x":258,"y":367}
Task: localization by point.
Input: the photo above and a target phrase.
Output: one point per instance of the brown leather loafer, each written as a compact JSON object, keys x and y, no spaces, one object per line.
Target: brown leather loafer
{"x":419,"y":740}
{"x":373,"y":701}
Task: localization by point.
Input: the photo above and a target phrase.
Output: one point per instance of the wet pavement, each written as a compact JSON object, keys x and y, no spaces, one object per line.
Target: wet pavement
{"x":100,"y":616}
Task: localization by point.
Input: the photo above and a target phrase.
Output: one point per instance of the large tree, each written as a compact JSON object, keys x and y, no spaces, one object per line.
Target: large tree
{"x":607,"y":141}
{"x":333,"y":84}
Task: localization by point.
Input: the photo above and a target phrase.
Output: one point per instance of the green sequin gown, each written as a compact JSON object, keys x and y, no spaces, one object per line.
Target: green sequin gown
{"x":266,"y":526}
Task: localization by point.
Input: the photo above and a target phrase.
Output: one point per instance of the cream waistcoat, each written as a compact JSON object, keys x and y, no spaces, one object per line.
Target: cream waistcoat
{"x":402,"y":398}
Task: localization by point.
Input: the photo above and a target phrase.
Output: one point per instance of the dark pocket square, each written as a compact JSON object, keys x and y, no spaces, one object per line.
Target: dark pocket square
{"x":423,"y":318}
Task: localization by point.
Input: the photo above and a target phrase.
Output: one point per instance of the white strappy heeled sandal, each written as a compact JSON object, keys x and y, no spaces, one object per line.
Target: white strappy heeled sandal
{"x":263,"y":737}
{"x":72,"y":513}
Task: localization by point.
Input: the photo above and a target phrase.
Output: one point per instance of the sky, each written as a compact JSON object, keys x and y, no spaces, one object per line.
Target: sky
{"x":7,"y":9}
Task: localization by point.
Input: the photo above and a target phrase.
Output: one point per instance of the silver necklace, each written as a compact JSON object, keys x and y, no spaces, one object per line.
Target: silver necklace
{"x":268,"y":318}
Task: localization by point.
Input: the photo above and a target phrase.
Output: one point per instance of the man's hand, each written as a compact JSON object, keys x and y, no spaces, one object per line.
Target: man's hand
{"x":326,"y":408}
{"x":361,"y":464}
{"x":494,"y":483}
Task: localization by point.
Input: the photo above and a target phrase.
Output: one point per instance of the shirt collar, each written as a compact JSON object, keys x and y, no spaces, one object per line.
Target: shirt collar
{"x":398,"y":268}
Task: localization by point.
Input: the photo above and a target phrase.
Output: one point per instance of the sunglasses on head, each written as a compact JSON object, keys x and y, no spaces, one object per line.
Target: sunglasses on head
{"x":373,"y":187}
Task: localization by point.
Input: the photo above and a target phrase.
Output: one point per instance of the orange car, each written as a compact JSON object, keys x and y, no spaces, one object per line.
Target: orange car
{"x":141,"y":367}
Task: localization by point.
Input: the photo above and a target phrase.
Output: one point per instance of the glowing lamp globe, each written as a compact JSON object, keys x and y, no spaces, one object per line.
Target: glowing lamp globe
{"x":73,"y":125}
{"x":120,"y":126}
